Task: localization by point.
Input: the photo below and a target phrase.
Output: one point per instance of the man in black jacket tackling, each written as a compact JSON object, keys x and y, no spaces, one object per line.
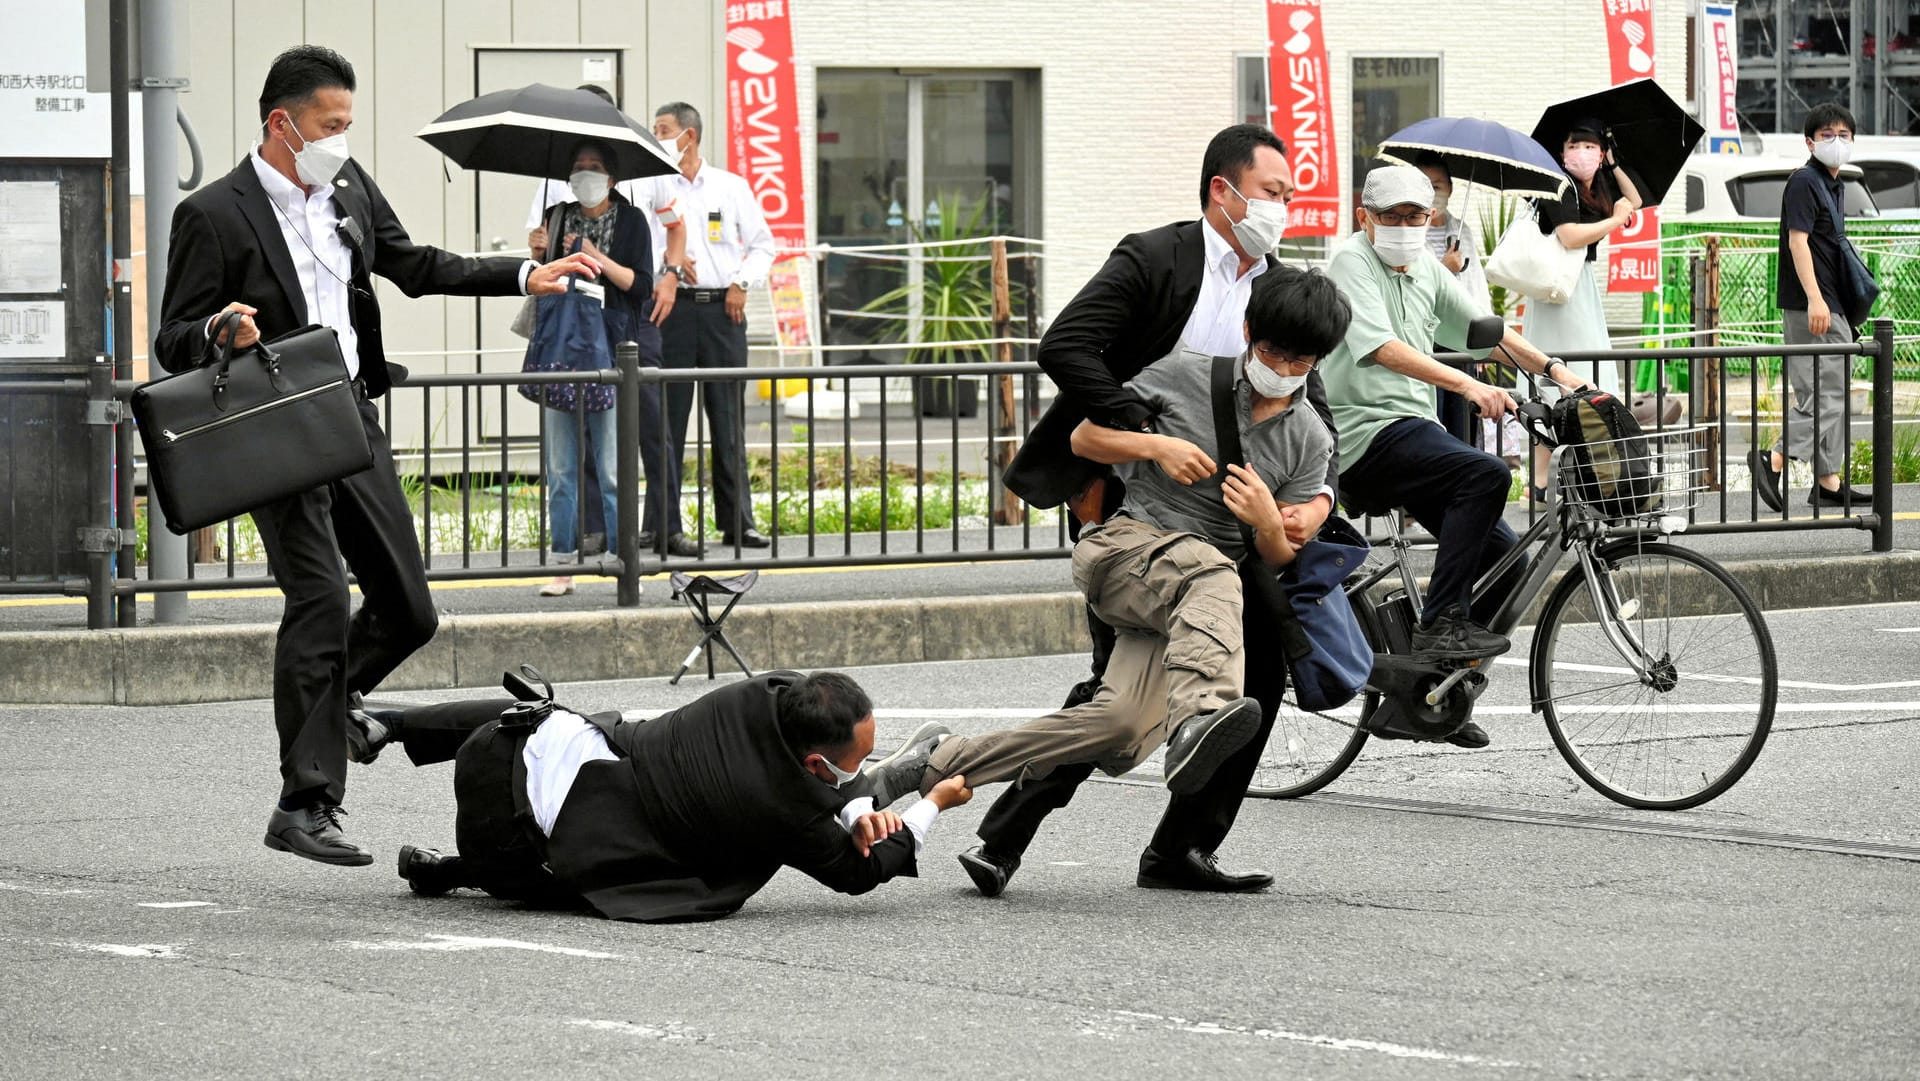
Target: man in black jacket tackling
{"x":290,"y":238}
{"x":1183,"y":285}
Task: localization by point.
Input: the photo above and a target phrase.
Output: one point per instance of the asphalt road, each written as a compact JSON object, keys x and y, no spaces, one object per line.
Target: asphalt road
{"x":1428,"y":920}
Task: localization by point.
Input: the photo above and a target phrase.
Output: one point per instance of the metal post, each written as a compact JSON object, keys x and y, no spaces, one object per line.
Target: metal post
{"x":97,"y":538}
{"x":1882,"y":436}
{"x":626,"y":473}
{"x":1782,"y":42}
{"x":119,"y":16}
{"x":163,"y":75}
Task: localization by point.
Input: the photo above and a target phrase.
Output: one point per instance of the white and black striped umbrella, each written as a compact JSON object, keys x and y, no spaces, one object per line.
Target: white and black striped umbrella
{"x":534,"y":130}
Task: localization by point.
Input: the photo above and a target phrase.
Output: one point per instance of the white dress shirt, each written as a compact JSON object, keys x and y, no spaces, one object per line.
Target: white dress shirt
{"x":310,"y":225}
{"x":736,"y":250}
{"x":554,"y":754}
{"x":566,"y":741}
{"x":1214,"y":328}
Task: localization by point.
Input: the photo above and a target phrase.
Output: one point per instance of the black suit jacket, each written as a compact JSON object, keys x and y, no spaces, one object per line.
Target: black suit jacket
{"x":226,"y":245}
{"x":1127,"y":316}
{"x":706,"y":805}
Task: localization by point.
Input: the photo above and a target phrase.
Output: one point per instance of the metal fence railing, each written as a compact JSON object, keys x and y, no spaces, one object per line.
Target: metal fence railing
{"x":912,"y":476}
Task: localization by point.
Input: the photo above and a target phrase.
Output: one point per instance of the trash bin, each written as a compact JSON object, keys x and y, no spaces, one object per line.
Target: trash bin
{"x":43,"y":477}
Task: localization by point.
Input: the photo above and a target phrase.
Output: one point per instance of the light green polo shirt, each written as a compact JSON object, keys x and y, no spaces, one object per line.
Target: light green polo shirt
{"x":1418,"y":307}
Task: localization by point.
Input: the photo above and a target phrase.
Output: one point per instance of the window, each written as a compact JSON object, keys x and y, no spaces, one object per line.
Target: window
{"x":1758,"y":195}
{"x":1389,"y":92}
{"x":1696,"y":194}
{"x":1892,"y":184}
{"x":1250,"y":88}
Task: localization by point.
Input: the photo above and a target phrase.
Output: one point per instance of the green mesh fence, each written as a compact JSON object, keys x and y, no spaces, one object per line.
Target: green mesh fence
{"x":1749,"y":271}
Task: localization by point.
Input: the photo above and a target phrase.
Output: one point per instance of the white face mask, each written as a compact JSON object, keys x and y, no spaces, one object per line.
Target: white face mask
{"x":1271,"y":384}
{"x":1399,"y":245}
{"x":840,"y":776}
{"x":590,"y":188}
{"x":1260,"y":231}
{"x":1833,"y":153}
{"x":671,"y":144}
{"x":318,"y":161}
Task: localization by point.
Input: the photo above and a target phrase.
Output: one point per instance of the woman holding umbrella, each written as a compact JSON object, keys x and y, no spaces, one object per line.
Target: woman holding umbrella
{"x":600,"y":223}
{"x":1603,"y":198}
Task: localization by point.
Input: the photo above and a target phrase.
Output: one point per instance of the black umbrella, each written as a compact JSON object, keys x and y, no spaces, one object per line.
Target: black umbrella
{"x":1479,"y":152}
{"x":1651,"y":134}
{"x":532,"y":131}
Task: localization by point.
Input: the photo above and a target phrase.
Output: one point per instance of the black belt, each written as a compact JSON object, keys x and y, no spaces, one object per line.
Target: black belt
{"x":703,"y":296}
{"x":359,"y":388}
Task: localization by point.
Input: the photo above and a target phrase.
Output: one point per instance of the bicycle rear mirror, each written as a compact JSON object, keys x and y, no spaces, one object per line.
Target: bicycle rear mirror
{"x":1485,"y":332}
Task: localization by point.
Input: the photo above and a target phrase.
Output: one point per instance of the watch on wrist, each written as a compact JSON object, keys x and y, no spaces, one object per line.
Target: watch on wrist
{"x":675,"y":270}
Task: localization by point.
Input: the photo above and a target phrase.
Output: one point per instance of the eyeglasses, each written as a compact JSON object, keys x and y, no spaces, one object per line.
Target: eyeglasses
{"x":1412,"y":217}
{"x":1830,"y":136}
{"x":1271,"y":355}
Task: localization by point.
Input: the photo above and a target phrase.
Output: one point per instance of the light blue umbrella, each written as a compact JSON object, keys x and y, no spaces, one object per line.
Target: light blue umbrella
{"x":1481,"y":152}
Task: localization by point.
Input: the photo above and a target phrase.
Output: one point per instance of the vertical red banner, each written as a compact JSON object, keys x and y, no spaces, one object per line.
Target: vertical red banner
{"x":1301,"y":115}
{"x":1633,"y":257}
{"x":763,"y":145}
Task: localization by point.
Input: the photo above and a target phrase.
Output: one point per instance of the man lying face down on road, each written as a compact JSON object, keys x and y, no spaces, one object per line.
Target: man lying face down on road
{"x":682,"y":817}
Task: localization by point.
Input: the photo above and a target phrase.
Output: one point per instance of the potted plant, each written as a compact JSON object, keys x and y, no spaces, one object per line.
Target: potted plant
{"x":955,"y":295}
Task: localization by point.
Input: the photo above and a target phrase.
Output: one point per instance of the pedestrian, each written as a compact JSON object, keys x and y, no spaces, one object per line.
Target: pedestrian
{"x":1165,"y":572}
{"x":600,"y":222}
{"x":1393,"y":454}
{"x":681,"y":817}
{"x":1602,"y":199}
{"x":1184,"y":284}
{"x":1455,"y":245}
{"x":291,"y":237}
{"x":1811,"y":310}
{"x":730,"y":251}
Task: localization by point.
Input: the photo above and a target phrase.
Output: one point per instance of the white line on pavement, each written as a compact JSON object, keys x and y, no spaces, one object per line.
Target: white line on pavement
{"x":1705,"y":677}
{"x":176,"y":904}
{"x":460,"y":943}
{"x":144,"y":949}
{"x":673,"y":1032}
{"x":1337,"y":1043}
{"x":1016,"y":714}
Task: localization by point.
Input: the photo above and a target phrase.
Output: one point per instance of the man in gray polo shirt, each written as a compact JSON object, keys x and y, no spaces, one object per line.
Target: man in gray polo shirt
{"x":1162,"y":571}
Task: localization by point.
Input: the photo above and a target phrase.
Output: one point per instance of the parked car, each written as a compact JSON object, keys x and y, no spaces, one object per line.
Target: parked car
{"x":1889,"y":167}
{"x":1725,"y":187}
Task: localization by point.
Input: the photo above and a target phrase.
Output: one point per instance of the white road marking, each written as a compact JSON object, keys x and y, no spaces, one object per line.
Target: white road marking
{"x":1351,"y":711}
{"x":1751,"y":681}
{"x":144,"y":949}
{"x":1337,"y":1043}
{"x":176,"y":904}
{"x":1066,"y":863}
{"x":40,"y":890}
{"x":461,"y":943}
{"x":671,"y":1032}
{"x":1900,"y":630}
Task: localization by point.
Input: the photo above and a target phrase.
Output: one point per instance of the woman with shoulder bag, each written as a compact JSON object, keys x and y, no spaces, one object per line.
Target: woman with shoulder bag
{"x":1603,"y":198}
{"x":602,"y":224}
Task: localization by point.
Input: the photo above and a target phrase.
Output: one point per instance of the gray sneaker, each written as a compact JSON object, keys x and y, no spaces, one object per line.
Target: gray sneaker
{"x":1205,"y":740}
{"x":899,"y":773}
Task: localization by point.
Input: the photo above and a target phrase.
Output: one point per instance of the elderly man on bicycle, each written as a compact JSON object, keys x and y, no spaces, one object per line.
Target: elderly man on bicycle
{"x":1380,"y":381}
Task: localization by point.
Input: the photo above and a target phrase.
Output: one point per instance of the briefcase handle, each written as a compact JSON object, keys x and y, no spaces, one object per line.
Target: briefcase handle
{"x":221,"y":353}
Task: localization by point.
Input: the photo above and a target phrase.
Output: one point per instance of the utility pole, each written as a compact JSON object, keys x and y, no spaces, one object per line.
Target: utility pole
{"x":163,"y":76}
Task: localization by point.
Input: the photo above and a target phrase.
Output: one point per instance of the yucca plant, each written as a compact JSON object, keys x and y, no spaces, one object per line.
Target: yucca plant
{"x":955,"y":290}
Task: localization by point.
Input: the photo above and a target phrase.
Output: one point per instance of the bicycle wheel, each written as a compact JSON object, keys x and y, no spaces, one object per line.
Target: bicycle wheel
{"x":1305,"y":752}
{"x":1688,"y":730}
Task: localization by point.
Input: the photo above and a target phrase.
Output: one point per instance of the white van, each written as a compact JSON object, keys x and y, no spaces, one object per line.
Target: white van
{"x":1729,"y":187}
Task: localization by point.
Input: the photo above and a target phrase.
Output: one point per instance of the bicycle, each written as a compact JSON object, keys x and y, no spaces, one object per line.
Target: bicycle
{"x":1634,"y":652}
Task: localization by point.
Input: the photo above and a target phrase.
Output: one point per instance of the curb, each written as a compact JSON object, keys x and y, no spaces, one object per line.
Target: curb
{"x":155,"y":666}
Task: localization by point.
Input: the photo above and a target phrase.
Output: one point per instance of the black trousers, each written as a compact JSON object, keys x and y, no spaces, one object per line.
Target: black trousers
{"x":1455,"y":491}
{"x":325,"y":649}
{"x":495,"y":854}
{"x":701,"y":336}
{"x":1198,"y":821}
{"x":661,"y":511}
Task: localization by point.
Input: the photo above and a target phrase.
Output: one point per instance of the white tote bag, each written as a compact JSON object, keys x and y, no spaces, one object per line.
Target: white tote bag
{"x":1535,"y":263}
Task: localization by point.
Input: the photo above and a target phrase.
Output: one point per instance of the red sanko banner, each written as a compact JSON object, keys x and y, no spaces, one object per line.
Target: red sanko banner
{"x":1301,"y":115}
{"x":763,"y":117}
{"x":1633,"y":269}
{"x":763,"y":145}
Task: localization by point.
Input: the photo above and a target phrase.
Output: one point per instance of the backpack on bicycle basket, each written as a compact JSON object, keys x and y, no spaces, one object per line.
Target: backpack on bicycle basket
{"x":1612,"y":468}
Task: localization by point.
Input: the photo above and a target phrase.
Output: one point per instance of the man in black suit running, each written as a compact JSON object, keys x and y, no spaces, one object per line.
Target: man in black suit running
{"x":1183,"y":285}
{"x":292,"y":237}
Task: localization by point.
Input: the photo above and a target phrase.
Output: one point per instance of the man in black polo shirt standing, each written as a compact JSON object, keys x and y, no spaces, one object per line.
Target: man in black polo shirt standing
{"x":1812,"y":228}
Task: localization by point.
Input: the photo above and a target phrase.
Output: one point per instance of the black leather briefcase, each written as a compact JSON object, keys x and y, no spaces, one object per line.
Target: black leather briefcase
{"x":250,"y":427}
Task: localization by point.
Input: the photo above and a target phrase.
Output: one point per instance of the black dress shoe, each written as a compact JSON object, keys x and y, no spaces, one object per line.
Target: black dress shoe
{"x":368,"y":733}
{"x":1766,"y":479}
{"x":746,"y":538}
{"x":1204,"y":741}
{"x":990,"y":871}
{"x":313,"y":832}
{"x":1470,"y":736}
{"x":593,"y":544}
{"x":682,"y":545}
{"x":1196,"y":870}
{"x":428,"y":873}
{"x":1843,"y":497}
{"x":647,"y":540}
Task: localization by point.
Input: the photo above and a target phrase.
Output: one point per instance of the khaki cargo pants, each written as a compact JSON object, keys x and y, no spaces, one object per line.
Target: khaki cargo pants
{"x":1174,"y":602}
